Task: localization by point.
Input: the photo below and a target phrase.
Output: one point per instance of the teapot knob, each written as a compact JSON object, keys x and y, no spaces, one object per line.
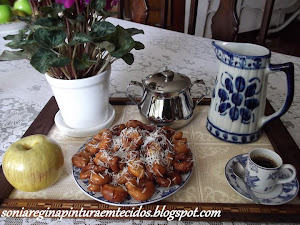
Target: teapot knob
{"x":169,"y":75}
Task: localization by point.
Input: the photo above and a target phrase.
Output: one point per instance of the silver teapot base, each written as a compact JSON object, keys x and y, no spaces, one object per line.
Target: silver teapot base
{"x":175,"y":124}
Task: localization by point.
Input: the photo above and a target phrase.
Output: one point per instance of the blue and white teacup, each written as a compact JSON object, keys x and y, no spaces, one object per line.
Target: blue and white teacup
{"x":265,"y":169}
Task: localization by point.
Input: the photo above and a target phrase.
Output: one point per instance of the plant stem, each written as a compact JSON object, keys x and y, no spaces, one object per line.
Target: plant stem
{"x":49,"y":3}
{"x":101,"y":64}
{"x":34,"y":7}
{"x":87,"y":71}
{"x":94,"y":17}
{"x":72,"y":62}
{"x":55,"y":72}
{"x":63,"y":69}
{"x":68,"y":29}
{"x":113,"y":60}
{"x":77,"y":7}
{"x":107,"y":60}
{"x":94,"y":53}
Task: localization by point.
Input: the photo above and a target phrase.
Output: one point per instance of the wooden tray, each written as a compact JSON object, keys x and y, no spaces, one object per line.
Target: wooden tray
{"x":278,"y":135}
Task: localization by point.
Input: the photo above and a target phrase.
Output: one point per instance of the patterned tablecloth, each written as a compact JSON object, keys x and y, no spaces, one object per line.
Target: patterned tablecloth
{"x":24,"y":91}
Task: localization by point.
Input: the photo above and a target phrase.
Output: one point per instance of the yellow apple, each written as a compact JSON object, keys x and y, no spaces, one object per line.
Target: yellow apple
{"x":5,"y":13}
{"x":16,"y":12}
{"x":33,"y":163}
{"x":24,"y":6}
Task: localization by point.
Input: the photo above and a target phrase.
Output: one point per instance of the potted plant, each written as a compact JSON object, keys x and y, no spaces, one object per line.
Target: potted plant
{"x":71,"y":42}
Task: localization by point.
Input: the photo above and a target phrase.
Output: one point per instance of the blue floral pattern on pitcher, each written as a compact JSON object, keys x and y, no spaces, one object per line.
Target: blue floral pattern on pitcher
{"x":237,"y":99}
{"x":240,"y":61}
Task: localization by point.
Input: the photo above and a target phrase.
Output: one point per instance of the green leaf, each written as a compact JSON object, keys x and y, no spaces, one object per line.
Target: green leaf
{"x":84,"y":63}
{"x":128,"y":58}
{"x":46,"y":22}
{"x":44,"y":59}
{"x":46,"y":9}
{"x":14,"y":55}
{"x":80,"y":18}
{"x":101,"y":30}
{"x":10,"y":37}
{"x":40,"y":60}
{"x":19,"y":44}
{"x":98,"y":4}
{"x":59,"y":62}
{"x":106,"y":45}
{"x":139,"y":45}
{"x":73,"y":20}
{"x":22,"y":35}
{"x":124,"y":43}
{"x":49,"y":39}
{"x":134,"y":31}
{"x":20,"y":40}
{"x":31,"y":48}
{"x":80,"y":38}
{"x":26,"y":19}
{"x":52,"y":11}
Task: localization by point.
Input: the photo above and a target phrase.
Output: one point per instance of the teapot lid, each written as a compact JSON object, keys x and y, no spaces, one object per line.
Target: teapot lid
{"x":167,"y":82}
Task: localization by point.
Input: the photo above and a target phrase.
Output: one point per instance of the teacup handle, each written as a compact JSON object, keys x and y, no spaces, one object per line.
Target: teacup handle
{"x":203,"y":95}
{"x":132,"y":98}
{"x":289,"y":179}
{"x":288,"y":68}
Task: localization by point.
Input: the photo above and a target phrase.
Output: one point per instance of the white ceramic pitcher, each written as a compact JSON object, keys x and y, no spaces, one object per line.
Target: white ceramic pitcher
{"x":238,"y":100}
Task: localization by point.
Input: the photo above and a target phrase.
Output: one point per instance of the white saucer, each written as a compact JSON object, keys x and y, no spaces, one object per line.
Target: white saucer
{"x":60,"y":123}
{"x":281,"y":194}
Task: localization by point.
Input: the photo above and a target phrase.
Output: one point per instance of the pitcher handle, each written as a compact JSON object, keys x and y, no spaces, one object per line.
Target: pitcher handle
{"x":288,"y":68}
{"x":132,"y":98}
{"x":203,"y":95}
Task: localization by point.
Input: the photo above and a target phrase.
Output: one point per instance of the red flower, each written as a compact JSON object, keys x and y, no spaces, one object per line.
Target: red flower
{"x":110,"y":4}
{"x":69,"y":3}
{"x":66,"y":3}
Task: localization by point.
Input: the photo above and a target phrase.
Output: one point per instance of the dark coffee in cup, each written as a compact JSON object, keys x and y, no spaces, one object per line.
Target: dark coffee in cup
{"x":264,"y":162}
{"x":263,"y":170}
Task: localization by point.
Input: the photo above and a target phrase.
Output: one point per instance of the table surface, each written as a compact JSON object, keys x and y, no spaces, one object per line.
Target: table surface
{"x":24,"y":91}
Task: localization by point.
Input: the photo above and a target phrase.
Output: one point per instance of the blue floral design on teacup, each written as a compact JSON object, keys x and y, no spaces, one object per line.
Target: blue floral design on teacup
{"x":251,"y":180}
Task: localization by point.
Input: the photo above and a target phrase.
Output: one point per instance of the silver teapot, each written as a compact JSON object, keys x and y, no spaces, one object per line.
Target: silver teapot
{"x":166,"y":98}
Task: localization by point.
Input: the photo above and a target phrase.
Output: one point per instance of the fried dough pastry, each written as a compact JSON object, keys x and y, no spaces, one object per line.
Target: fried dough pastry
{"x":133,"y":159}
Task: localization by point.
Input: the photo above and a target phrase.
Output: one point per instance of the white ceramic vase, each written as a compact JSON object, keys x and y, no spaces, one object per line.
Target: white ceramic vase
{"x":83,"y":103}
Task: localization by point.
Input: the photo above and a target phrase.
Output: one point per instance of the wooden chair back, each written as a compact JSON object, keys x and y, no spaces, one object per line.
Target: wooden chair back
{"x":225,"y":22}
{"x":138,"y":11}
{"x":135,"y":10}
